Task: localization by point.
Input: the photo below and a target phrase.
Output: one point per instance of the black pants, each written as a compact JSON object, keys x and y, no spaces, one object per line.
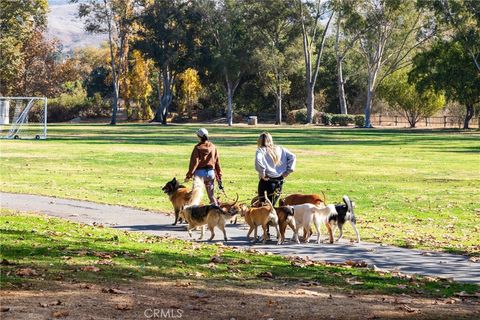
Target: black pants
{"x":272,"y":186}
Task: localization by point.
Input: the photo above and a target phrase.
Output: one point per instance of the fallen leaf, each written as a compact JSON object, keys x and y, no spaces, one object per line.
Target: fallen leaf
{"x":474,"y":259}
{"x":114,"y":291}
{"x":90,"y":268}
{"x":26,"y":272}
{"x":265,"y":275}
{"x":124,"y":306}
{"x":182,"y":284}
{"x":402,"y":300}
{"x":54,"y":303}
{"x":102,"y":255}
{"x":409,"y":309}
{"x":105,"y":262}
{"x":217,"y":259}
{"x":353,"y":282}
{"x":356,"y":264}
{"x":5,"y":262}
{"x":60,"y":313}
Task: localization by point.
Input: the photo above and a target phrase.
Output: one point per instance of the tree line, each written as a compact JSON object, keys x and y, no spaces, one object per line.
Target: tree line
{"x":211,"y":57}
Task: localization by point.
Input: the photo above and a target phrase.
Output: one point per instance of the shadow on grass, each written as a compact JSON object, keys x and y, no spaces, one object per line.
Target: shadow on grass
{"x":63,"y":256}
{"x":224,"y":136}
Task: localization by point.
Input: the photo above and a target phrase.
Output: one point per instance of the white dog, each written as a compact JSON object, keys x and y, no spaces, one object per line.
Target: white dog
{"x":307,"y":213}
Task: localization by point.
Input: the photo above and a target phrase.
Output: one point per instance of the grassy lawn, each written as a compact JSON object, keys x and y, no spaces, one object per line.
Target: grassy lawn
{"x":64,"y":251}
{"x":412,"y":188}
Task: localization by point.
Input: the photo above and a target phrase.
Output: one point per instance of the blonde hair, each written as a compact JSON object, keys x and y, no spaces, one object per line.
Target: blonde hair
{"x":265,"y":140}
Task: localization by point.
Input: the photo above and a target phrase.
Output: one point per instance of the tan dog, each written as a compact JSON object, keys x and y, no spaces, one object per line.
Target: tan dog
{"x":261,"y":216}
{"x":180,"y":196}
{"x":296,"y":199}
{"x":307,"y":213}
{"x":210,"y":215}
{"x":285,"y":218}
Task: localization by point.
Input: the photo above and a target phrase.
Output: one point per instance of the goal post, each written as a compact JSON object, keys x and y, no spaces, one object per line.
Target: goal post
{"x":23,"y":117}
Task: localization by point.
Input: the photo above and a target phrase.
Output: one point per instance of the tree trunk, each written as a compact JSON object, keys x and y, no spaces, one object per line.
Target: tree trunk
{"x":229,"y":104}
{"x":310,"y":104}
{"x":279,"y":107}
{"x":165,"y":99}
{"x":341,"y":88}
{"x":115,"y":75}
{"x":468,"y":116}
{"x":368,"y":104}
{"x":115,"y":104}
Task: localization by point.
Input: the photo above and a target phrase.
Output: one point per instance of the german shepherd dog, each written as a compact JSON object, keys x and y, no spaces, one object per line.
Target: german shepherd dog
{"x":180,"y":196}
{"x":210,"y":215}
{"x":344,"y":213}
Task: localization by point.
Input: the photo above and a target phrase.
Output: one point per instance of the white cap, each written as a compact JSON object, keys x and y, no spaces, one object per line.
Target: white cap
{"x":202,"y":132}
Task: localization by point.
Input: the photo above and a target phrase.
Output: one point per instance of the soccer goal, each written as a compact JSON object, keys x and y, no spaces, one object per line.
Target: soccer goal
{"x":23,"y":118}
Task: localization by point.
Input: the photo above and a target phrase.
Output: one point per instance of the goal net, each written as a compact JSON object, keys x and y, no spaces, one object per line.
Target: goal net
{"x":23,"y":118}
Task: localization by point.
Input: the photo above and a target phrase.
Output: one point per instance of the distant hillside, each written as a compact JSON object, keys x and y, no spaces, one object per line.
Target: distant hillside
{"x":64,"y":24}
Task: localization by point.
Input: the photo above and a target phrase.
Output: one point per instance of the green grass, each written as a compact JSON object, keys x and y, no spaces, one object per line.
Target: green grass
{"x":57,"y":250}
{"x":416,"y":188}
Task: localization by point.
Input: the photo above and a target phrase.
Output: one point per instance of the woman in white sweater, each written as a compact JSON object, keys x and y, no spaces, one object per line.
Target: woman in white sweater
{"x":273,"y":164}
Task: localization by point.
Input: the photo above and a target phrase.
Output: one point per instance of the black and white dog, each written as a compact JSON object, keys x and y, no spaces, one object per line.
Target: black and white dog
{"x":344,"y":213}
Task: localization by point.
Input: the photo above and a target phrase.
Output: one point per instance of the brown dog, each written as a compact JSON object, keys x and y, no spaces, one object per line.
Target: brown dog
{"x":285,"y":218}
{"x":261,"y":216}
{"x":180,"y":196}
{"x":295,"y":199}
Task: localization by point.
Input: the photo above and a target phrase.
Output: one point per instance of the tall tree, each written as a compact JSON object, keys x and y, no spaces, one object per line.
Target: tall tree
{"x":462,"y":21}
{"x":311,"y":14}
{"x":276,"y":55}
{"x":19,"y":20}
{"x":228,"y":41}
{"x":345,"y":39}
{"x":449,"y":68}
{"x":168,"y":37}
{"x":115,"y":18}
{"x":391,"y":31}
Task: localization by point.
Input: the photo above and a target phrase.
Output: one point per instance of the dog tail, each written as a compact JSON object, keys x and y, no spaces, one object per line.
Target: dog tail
{"x":197,"y":192}
{"x":268,"y":200}
{"x":350,"y":206}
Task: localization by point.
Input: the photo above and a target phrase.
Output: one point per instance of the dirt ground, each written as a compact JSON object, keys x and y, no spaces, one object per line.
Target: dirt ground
{"x":155,"y":299}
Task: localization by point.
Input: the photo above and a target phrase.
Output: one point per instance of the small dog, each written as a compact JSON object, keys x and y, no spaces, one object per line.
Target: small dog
{"x":343,"y":213}
{"x":180,"y":196}
{"x":285,"y":218}
{"x":295,"y":199}
{"x":261,"y":216}
{"x":210,"y":215}
{"x":307,"y":213}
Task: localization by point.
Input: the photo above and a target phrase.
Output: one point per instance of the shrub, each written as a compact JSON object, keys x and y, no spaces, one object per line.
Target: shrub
{"x":342,"y":119}
{"x":300,"y":116}
{"x":327,"y":119}
{"x":180,"y":119}
{"x":359,"y":120}
{"x":206,"y":114}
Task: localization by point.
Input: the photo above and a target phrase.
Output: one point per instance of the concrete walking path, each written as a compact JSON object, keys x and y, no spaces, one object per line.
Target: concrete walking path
{"x":404,"y":260}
